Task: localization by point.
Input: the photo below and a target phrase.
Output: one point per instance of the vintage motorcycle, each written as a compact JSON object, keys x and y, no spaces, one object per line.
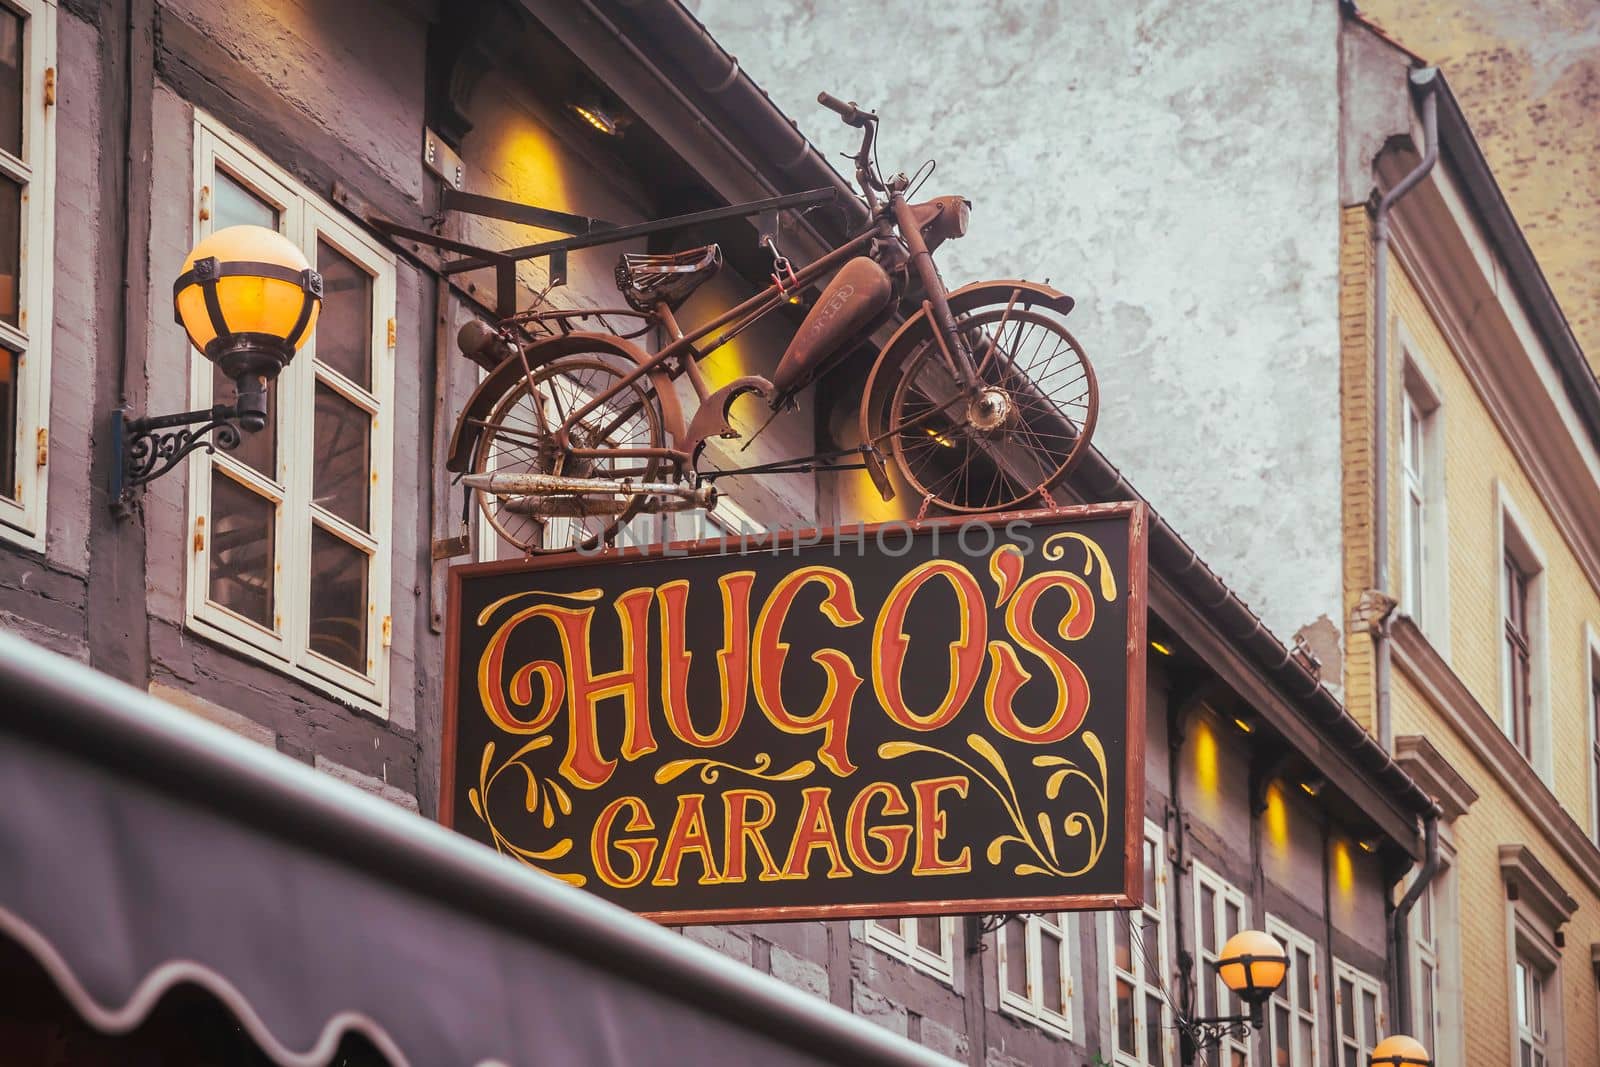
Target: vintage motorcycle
{"x":980,"y":399}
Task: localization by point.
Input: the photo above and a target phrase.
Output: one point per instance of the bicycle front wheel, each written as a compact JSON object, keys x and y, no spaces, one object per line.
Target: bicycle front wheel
{"x":1002,"y":442}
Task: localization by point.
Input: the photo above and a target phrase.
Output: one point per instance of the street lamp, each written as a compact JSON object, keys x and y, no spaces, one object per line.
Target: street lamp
{"x":1252,"y":965}
{"x":1398,"y":1050}
{"x":248,"y":300}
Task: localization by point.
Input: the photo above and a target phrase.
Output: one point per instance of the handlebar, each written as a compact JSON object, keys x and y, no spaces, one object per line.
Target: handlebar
{"x":867,"y":123}
{"x":852,"y":115}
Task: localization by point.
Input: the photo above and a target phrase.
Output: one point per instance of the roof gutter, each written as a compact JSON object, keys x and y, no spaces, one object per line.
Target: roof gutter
{"x":1466,"y":160}
{"x":662,"y":39}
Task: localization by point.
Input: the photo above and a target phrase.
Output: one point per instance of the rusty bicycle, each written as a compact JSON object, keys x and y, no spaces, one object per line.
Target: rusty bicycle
{"x":979,"y":401}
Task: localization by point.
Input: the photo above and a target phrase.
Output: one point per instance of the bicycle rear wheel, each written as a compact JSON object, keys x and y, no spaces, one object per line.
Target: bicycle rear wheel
{"x":519,"y":437}
{"x":1011,"y":436}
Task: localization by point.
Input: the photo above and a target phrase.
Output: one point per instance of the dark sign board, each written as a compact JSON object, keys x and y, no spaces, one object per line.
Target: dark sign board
{"x":938,"y":717}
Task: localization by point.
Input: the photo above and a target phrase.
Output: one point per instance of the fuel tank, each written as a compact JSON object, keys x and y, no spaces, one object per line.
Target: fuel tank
{"x":848,"y":305}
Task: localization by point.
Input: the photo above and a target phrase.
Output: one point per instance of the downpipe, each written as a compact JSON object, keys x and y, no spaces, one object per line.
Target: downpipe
{"x":1427,"y":80}
{"x":1399,"y":943}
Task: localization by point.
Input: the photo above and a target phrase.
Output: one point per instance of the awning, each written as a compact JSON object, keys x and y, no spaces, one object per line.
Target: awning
{"x":142,"y":849}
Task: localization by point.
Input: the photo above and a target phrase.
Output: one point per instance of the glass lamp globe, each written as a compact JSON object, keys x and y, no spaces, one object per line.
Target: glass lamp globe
{"x":1252,"y":964}
{"x":1399,"y":1050}
{"x":248,"y":300}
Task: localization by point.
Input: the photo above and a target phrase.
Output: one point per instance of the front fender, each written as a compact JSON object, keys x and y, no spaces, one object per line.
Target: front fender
{"x":504,"y":377}
{"x":917,"y":328}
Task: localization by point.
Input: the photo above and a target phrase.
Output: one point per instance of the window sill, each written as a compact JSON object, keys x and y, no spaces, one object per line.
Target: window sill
{"x":231,"y":643}
{"x":1049,"y":1022}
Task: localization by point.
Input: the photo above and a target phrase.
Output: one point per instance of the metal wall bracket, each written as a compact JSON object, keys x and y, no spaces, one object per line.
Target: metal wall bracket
{"x":145,"y":449}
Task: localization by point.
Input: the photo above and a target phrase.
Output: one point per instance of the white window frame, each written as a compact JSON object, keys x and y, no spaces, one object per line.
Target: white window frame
{"x":1031,"y":1007}
{"x":304,"y":218}
{"x":1514,"y":539}
{"x":1144,"y":983}
{"x":1427,"y":956}
{"x":23,"y":505}
{"x":1206,"y":959}
{"x":1360,"y":1042}
{"x":904,"y":946}
{"x":1530,"y":984}
{"x":1287,"y":995}
{"x":1424,"y":591}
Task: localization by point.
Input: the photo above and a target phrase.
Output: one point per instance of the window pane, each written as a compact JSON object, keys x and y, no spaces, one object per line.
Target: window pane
{"x":341,"y":464}
{"x":1126,"y":1022}
{"x":1122,"y":948}
{"x":1369,"y":1016}
{"x":234,"y":205}
{"x":1349,"y":1057}
{"x":10,"y":249}
{"x":1425,"y":1004}
{"x":1054,"y":994}
{"x":928,"y":934}
{"x":1347,"y":1007}
{"x":258,"y":450}
{"x":891,"y":925}
{"x":1302,"y":973}
{"x":1280,"y":1034}
{"x":1208,"y":919}
{"x":242,"y":550}
{"x":1152,"y":868}
{"x":1232,"y":919}
{"x":344,"y":326}
{"x":338,"y":600}
{"x":11,"y":81}
{"x":1016,"y":935}
{"x":1155,"y":1052}
{"x":1307,"y":1046}
{"x":8,"y":422}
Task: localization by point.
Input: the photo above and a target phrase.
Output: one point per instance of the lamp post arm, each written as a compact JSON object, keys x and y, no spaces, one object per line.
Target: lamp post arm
{"x":147,"y":448}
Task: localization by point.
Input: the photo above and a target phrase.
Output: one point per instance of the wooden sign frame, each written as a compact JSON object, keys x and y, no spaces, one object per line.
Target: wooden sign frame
{"x":794,"y":545}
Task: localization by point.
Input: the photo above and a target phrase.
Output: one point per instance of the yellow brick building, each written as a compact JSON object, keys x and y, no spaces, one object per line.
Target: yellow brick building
{"x":1492,"y":492}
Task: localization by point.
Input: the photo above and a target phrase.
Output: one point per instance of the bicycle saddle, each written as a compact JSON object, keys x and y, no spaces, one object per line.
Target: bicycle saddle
{"x":647,"y":280}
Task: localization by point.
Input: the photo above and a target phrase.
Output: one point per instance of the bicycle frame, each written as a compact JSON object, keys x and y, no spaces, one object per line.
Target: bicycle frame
{"x":686,"y":349}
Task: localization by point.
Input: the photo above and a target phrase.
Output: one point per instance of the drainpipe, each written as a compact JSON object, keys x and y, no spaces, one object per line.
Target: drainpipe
{"x":1427,"y":80}
{"x":1399,"y":943}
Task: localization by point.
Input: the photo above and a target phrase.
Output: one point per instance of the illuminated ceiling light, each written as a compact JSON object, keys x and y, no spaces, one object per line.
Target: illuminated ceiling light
{"x":592,"y":113}
{"x":1370,"y":844}
{"x":1159,"y":647}
{"x":1312,"y":787}
{"x":1244,"y":724}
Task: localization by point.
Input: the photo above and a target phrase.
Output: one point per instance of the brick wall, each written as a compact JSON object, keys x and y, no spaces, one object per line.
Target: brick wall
{"x":1528,"y":77}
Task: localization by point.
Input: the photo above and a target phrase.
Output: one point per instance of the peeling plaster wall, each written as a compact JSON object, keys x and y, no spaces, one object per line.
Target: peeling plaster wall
{"x":1172,"y":165}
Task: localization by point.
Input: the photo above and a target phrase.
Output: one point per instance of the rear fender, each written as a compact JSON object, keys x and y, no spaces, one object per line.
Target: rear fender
{"x":917,"y":328}
{"x":505,"y":377}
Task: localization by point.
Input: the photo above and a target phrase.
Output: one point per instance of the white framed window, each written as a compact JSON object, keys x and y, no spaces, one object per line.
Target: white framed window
{"x":926,"y":942}
{"x":1221,"y":910}
{"x":27,"y":243}
{"x":1140,"y":968}
{"x":1529,"y":980}
{"x":1423,"y":574}
{"x":289,"y":560}
{"x":1358,"y":1006}
{"x":1034,"y":961}
{"x":1524,"y":700}
{"x":1426,"y":953}
{"x":1292,"y":1017}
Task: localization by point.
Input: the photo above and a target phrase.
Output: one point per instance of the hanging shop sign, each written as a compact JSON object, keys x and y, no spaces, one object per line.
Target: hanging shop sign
{"x":940,"y":717}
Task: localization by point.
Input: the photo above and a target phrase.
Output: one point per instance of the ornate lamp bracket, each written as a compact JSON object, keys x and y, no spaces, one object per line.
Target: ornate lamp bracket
{"x":147,"y":448}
